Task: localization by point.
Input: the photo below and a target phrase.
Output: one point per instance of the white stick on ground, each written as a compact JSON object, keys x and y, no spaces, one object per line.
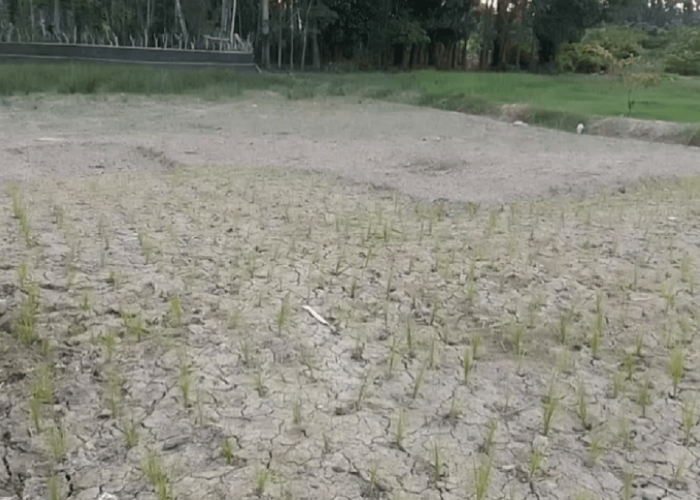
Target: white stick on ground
{"x":318,"y":317}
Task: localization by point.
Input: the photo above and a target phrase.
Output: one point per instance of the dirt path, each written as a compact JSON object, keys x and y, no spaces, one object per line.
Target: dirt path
{"x":420,"y":151}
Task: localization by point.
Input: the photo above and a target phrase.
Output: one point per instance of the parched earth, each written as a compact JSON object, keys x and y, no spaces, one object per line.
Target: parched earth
{"x":333,"y":299}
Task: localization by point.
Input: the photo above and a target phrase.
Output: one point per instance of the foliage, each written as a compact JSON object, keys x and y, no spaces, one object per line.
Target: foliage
{"x":684,"y":55}
{"x":632,"y":81}
{"x":620,"y":41}
{"x":445,"y":21}
{"x":404,"y":32}
{"x":584,"y":58}
{"x":560,"y":21}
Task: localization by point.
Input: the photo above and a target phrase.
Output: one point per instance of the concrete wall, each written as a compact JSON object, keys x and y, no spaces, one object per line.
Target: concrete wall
{"x":46,"y":52}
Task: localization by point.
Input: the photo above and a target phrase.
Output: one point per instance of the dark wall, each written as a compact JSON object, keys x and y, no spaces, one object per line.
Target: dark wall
{"x":168,"y":57}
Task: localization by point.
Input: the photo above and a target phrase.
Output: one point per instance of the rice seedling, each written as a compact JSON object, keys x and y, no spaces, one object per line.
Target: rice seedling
{"x":488,"y":445}
{"x":185,"y":381}
{"x":134,"y":324}
{"x":263,"y":476}
{"x":400,"y":433}
{"x":476,"y":342}
{"x":536,"y":459}
{"x":418,"y":380}
{"x":517,"y":335}
{"x":689,"y":419}
{"x":259,"y":382}
{"x":362,"y":393}
{"x":627,"y":491}
{"x":27,"y":317}
{"x":629,"y":365}
{"x":582,"y":406}
{"x":596,"y":449}
{"x":175,"y":312}
{"x":482,"y":478}
{"x":437,"y":304}
{"x":455,"y":410}
{"x":563,"y":331}
{"x":35,"y":413}
{"x":228,"y":452}
{"x":131,"y":433}
{"x":109,"y":340}
{"x":668,"y":293}
{"x":147,"y":247}
{"x":56,"y":443}
{"x":432,"y":355}
{"x":115,"y":278}
{"x":436,"y":461}
{"x":618,"y":384}
{"x":55,"y":488}
{"x":596,"y":341}
{"x":42,"y":385}
{"x":283,"y":314}
{"x":372,"y":487}
{"x":327,"y":443}
{"x":644,"y":396}
{"x":639,"y":345}
{"x":466,"y":364}
{"x":624,"y":433}
{"x":154,"y":471}
{"x":23,"y":277}
{"x":113,"y":391}
{"x":680,"y":467}
{"x":296,"y":411}
{"x":391,"y":362}
{"x":676,"y":367}
{"x":550,"y":406}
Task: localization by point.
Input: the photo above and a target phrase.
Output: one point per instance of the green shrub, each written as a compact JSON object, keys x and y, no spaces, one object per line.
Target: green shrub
{"x":621,"y":41}
{"x":683,"y":56}
{"x":583,"y":58}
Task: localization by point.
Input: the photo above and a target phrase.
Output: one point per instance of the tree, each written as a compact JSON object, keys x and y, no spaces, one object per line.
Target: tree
{"x":405,"y":34}
{"x":558,"y":21}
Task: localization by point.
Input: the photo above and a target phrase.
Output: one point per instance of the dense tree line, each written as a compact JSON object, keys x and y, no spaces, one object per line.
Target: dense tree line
{"x":372,"y":33}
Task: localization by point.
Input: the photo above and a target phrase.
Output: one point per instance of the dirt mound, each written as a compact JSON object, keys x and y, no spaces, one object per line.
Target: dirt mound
{"x":617,"y":126}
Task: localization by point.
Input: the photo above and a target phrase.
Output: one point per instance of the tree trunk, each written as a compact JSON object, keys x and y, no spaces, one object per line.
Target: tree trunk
{"x":224,"y":19}
{"x":314,"y":43}
{"x":291,"y":36}
{"x":306,"y":35}
{"x":56,"y":18}
{"x":148,"y":23}
{"x":266,"y":32}
{"x":31,"y":20}
{"x":279,"y":39}
{"x":233,"y":23}
{"x":181,"y":19}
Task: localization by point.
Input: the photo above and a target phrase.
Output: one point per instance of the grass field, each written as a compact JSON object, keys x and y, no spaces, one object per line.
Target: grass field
{"x":558,"y":100}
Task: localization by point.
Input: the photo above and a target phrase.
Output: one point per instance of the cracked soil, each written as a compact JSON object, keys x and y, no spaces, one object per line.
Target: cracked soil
{"x":512,"y":311}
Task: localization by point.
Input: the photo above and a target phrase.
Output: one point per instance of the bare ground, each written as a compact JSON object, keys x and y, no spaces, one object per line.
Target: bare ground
{"x":155,"y":259}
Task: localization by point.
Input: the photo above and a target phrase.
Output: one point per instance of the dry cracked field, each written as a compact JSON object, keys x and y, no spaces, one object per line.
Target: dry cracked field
{"x":238,"y":332}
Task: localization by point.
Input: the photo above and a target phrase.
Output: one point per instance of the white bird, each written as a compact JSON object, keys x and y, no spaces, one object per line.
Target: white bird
{"x":581,"y":129}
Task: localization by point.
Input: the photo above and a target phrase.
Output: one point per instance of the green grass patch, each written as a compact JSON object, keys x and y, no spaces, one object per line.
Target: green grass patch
{"x":559,"y":101}
{"x":577,"y":95}
{"x":101,"y":78}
